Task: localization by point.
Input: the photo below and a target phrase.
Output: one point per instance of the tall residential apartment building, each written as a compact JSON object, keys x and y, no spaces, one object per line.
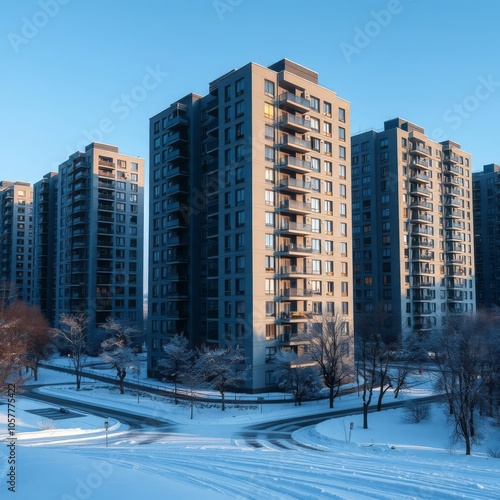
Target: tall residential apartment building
{"x":45,"y":244}
{"x":100,"y":218}
{"x":16,"y":237}
{"x":250,"y":215}
{"x":413,"y":252}
{"x":486,"y":196}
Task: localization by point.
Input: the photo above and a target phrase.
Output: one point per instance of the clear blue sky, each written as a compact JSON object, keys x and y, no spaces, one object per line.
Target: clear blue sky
{"x":67,"y":66}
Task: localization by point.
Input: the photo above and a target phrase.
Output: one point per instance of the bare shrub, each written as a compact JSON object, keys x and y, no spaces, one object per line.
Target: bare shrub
{"x":414,"y":412}
{"x":46,"y":424}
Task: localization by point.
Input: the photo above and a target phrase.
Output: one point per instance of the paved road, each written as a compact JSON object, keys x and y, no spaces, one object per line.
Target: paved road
{"x":145,"y":430}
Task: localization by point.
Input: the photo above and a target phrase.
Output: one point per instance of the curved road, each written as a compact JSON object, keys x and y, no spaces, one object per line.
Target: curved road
{"x":145,"y":430}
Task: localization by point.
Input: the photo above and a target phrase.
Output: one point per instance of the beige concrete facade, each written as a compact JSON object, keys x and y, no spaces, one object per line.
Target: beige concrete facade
{"x":262,"y":212}
{"x":16,"y":237}
{"x":412,"y":228}
{"x":100,"y":219}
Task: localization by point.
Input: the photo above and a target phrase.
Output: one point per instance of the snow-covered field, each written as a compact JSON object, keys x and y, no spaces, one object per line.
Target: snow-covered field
{"x":218,"y":455}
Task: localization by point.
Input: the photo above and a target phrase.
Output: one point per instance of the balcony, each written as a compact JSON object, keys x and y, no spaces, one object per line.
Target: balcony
{"x":177,"y":188}
{"x":452,"y":181}
{"x":295,"y":249}
{"x":455,"y":224}
{"x":454,"y":202}
{"x":420,"y":178}
{"x":427,"y":256}
{"x":294,"y":206}
{"x":176,"y":223}
{"x":451,"y":159}
{"x":295,"y":270}
{"x":421,"y":231}
{"x":177,"y":154}
{"x":176,"y":137}
{"x":419,"y":150}
{"x":295,"y":185}
{"x":420,"y":164}
{"x":297,"y":292}
{"x":419,"y":217}
{"x":451,"y":170}
{"x":296,"y":123}
{"x":422,"y":242}
{"x":295,"y":164}
{"x":419,"y":191}
{"x":179,"y":121}
{"x":423,"y":282}
{"x":453,"y":213}
{"x":293,"y":144}
{"x":455,"y":236}
{"x":453,"y":248}
{"x":291,"y":227}
{"x":106,"y":173}
{"x":423,"y":205}
{"x":290,"y":101}
{"x":295,"y":316}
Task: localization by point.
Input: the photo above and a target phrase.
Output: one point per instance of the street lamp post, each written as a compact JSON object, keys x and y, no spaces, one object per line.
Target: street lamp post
{"x":106,"y":426}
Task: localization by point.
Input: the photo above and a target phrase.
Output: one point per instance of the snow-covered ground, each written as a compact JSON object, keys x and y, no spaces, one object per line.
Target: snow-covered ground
{"x":217,"y":454}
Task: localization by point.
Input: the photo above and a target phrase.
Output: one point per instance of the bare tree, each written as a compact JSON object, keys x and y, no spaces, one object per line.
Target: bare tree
{"x":460,"y":354}
{"x":329,"y":346}
{"x":296,"y":374}
{"x":220,"y":369}
{"x":366,"y":368}
{"x":39,"y":337}
{"x":73,"y":338}
{"x":118,"y":350}
{"x":177,"y":359}
{"x":12,"y":345}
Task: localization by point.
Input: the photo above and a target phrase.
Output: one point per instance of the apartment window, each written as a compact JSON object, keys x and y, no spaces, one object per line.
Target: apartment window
{"x":342,"y":153}
{"x":227,"y":92}
{"x":269,"y":262}
{"x":269,"y":87}
{"x":270,"y":241}
{"x":328,"y":148}
{"x":240,"y":218}
{"x":315,"y":184}
{"x":316,"y":225}
{"x":315,"y":164}
{"x":269,"y":153}
{"x":328,"y":207}
{"x":314,"y":124}
{"x":269,"y":286}
{"x":240,"y":241}
{"x":239,"y":131}
{"x":343,"y":269}
{"x":240,"y":152}
{"x":227,"y":113}
{"x":270,"y":354}
{"x":269,"y":111}
{"x":329,"y":227}
{"x":238,"y":108}
{"x":240,"y":175}
{"x":343,"y":210}
{"x":314,"y":103}
{"x":316,"y":266}
{"x":328,"y":167}
{"x":344,"y":289}
{"x":329,"y":267}
{"x":269,"y":175}
{"x":328,"y":187}
{"x":240,"y":263}
{"x":343,"y":249}
{"x":270,"y":219}
{"x":327,"y":129}
{"x":240,"y":196}
{"x":227,"y":135}
{"x":316,"y":245}
{"x":315,"y":205}
{"x":342,"y":133}
{"x":329,"y":247}
{"x":269,"y":197}
{"x":315,"y":144}
{"x":269,"y":132}
{"x":240,"y":86}
{"x":327,"y":108}
{"x":343,"y":229}
{"x":270,"y":331}
{"x":270,"y":309}
{"x":240,"y":286}
{"x":341,"y":115}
